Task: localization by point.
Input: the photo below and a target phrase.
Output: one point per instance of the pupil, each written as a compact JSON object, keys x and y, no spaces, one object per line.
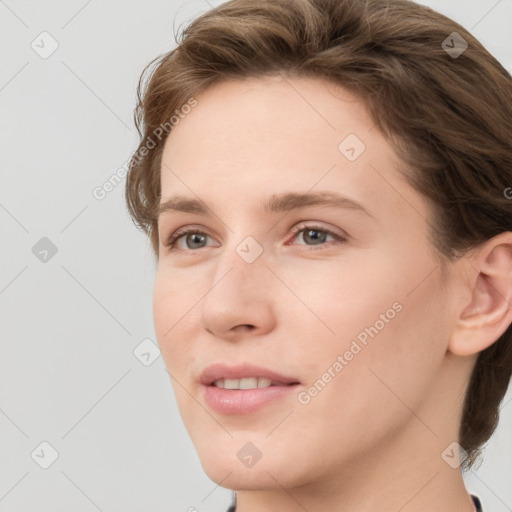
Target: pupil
{"x":195,"y":236}
{"x":315,"y":239}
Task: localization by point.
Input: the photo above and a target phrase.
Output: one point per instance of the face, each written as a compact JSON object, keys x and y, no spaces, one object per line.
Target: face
{"x":343,"y":298}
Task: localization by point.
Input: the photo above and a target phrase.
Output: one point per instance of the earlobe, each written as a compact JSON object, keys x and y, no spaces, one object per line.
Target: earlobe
{"x":489,"y":312}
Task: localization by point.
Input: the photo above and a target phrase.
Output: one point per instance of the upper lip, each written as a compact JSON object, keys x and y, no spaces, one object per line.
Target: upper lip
{"x":222,"y":371}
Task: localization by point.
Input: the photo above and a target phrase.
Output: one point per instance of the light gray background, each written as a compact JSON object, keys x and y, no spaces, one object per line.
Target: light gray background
{"x":69,"y":326}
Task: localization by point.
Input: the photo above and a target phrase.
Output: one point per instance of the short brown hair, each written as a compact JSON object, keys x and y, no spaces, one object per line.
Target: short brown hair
{"x":448,"y":116}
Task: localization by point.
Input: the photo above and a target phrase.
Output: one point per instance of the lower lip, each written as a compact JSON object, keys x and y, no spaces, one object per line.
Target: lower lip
{"x":244,"y":401}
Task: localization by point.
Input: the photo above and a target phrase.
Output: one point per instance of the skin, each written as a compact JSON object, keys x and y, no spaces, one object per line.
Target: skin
{"x":372,"y":439}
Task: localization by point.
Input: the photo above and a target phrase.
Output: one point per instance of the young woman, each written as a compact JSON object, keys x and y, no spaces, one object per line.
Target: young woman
{"x":326,"y":188}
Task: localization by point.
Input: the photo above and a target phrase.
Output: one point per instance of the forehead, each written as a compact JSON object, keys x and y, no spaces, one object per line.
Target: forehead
{"x":253,"y":137}
{"x":273,"y":110}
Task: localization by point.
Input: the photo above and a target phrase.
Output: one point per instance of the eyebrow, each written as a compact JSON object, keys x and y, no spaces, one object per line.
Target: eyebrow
{"x":275,"y":204}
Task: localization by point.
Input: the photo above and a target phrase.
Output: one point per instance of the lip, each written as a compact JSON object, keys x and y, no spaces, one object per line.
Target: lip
{"x":243,"y":401}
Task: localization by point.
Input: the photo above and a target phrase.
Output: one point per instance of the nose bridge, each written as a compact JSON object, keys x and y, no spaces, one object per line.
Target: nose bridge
{"x":243,"y":262}
{"x":245,"y":239}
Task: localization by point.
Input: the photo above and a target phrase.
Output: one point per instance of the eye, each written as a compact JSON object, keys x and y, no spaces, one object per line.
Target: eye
{"x":312,"y":232}
{"x":316,"y":234}
{"x":193,"y":235}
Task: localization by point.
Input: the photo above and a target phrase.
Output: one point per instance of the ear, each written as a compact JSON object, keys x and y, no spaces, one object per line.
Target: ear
{"x":488,"y":313}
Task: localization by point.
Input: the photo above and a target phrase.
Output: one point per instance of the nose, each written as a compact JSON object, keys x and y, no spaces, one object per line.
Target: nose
{"x":239,"y":301}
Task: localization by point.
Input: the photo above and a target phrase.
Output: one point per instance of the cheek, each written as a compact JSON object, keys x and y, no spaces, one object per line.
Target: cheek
{"x":377,"y":385}
{"x":391,"y":336}
{"x":173,"y":312}
{"x":163,"y":308}
{"x":338,"y":300}
{"x":397,"y":368}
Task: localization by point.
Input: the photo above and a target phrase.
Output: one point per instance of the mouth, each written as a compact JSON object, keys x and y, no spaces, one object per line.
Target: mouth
{"x":244,"y":389}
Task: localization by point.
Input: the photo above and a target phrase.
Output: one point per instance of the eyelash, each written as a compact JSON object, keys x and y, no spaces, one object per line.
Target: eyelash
{"x":171,"y":241}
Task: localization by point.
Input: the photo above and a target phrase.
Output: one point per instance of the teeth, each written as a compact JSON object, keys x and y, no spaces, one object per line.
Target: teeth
{"x":246,"y":383}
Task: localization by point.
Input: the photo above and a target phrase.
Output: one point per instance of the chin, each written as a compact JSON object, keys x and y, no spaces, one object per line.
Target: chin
{"x":241,"y":479}
{"x":238,"y":464}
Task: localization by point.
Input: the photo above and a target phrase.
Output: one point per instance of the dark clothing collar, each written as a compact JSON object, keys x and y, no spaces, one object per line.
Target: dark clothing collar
{"x":476,"y":501}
